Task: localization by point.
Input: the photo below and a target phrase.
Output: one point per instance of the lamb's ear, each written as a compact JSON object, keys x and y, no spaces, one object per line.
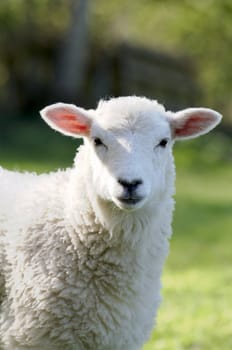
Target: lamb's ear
{"x":68,"y":119}
{"x":193,"y":122}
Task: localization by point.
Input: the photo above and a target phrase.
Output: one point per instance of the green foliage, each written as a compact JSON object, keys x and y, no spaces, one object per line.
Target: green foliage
{"x":198,"y":29}
{"x":201,"y":30}
{"x":29,"y":33}
{"x":39,"y":15}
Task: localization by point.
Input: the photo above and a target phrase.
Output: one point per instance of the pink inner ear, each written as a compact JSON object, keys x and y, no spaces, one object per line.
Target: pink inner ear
{"x":72,"y":123}
{"x":193,"y":125}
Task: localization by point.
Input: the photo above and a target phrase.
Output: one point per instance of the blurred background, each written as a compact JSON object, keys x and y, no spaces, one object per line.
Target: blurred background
{"x":178,"y":52}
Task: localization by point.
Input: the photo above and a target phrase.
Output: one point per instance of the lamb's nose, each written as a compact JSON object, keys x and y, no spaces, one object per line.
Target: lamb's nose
{"x":130,"y":186}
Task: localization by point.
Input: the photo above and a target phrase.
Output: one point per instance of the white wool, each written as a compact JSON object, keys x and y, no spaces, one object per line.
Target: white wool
{"x":79,"y":268}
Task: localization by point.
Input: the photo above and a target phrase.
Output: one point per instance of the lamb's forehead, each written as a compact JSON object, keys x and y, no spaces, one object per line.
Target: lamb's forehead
{"x":131,"y":112}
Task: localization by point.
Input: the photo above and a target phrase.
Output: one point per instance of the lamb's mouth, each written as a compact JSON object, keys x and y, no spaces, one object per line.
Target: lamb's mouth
{"x":130,"y":200}
{"x":129,"y":203}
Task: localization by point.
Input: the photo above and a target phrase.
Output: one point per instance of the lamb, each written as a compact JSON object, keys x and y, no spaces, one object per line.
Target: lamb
{"x":82,"y":250}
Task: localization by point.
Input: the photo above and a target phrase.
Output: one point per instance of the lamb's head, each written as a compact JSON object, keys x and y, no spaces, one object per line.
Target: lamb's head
{"x":129,"y":144}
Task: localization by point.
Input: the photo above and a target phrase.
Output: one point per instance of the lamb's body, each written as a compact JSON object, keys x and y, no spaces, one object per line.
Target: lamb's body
{"x":77,"y":283}
{"x":76,"y":271}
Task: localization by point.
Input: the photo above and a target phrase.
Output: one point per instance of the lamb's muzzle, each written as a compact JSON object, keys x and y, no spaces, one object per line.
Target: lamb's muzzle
{"x":130,"y":195}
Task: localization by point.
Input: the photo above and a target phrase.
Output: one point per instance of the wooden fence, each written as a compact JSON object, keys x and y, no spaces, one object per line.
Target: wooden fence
{"x":130,"y":70}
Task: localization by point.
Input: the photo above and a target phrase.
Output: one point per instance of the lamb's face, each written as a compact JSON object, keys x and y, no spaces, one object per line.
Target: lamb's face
{"x":130,"y":154}
{"x":128,"y":142}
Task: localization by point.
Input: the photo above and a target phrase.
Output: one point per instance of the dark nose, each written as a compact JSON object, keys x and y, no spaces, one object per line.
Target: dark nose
{"x":130,"y":186}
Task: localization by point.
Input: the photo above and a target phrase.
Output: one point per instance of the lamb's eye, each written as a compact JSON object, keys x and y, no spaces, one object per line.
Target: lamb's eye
{"x":98,"y":142}
{"x":163,"y":143}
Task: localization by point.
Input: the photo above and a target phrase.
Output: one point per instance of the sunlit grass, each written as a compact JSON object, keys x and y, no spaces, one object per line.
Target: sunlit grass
{"x":197,"y":281}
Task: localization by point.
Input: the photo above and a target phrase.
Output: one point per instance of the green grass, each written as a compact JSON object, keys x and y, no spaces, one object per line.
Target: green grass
{"x":35,"y":147}
{"x":196,"y":310}
{"x":197,"y":280}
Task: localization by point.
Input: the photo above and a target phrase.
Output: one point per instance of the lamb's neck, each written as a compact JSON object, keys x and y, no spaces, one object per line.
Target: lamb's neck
{"x":76,"y":202}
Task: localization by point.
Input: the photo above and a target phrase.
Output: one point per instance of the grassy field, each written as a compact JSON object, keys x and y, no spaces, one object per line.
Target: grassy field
{"x":196,"y":310}
{"x":197,"y":281}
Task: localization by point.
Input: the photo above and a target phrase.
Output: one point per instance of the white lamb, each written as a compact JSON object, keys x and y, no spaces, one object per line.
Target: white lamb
{"x":82,"y":250}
